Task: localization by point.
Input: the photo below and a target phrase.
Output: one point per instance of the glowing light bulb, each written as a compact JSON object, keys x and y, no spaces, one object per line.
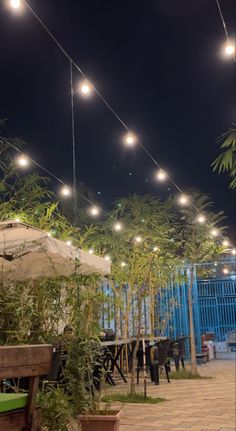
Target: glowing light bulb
{"x":201,"y":218}
{"x":123,"y":264}
{"x":23,"y":161}
{"x":155,"y":248}
{"x":68,"y":242}
{"x":214,"y":232}
{"x":94,"y":211}
{"x":233,"y":251}
{"x":91,"y":251}
{"x":107,"y":257}
{"x":15,"y":4}
{"x":229,"y":49}
{"x":138,"y":239}
{"x":130,"y":139}
{"x":183,"y":200}
{"x":17,"y":220}
{"x":225,"y":243}
{"x":85,"y":88}
{"x":118,"y":227}
{"x":49,"y":234}
{"x":225,"y":270}
{"x":66,"y":191}
{"x":161,"y":175}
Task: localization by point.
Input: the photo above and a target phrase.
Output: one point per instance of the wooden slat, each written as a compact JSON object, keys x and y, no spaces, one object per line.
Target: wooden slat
{"x":27,"y":355}
{"x":25,"y":361}
{"x":25,"y":371}
{"x":12,"y":420}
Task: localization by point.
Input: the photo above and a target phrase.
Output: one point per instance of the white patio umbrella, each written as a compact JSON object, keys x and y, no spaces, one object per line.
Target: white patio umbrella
{"x":29,"y":253}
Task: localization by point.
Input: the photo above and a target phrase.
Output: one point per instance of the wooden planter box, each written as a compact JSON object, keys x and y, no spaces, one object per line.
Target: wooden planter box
{"x":109,"y":422}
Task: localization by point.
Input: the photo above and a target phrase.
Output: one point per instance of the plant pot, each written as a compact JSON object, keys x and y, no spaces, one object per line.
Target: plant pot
{"x":101,"y":422}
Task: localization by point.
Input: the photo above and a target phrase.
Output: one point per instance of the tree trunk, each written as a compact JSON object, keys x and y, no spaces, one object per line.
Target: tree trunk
{"x":133,"y":374}
{"x":191,"y":322}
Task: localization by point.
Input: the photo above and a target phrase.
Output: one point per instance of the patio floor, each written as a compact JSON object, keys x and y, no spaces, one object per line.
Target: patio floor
{"x":199,"y":405}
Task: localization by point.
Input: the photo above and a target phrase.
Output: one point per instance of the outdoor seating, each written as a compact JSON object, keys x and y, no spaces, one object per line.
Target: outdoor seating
{"x":177,"y":352}
{"x":156,"y":356}
{"x":19,"y":411}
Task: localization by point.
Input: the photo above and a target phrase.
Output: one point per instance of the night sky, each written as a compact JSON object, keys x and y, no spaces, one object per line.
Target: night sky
{"x":157,"y":62}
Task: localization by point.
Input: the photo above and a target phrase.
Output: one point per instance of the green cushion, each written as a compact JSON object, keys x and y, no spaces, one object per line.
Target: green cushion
{"x":10,"y":402}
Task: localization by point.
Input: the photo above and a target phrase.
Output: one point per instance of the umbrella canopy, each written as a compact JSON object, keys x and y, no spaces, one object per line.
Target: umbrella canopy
{"x":29,"y":253}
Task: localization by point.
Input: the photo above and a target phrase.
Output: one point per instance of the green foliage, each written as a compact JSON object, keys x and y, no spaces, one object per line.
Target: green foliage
{"x":185,"y":374}
{"x":226,"y":161}
{"x":57,"y":412}
{"x":138,"y":398}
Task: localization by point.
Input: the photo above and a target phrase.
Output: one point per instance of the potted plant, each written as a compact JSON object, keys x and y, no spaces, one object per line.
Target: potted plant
{"x":86,"y":379}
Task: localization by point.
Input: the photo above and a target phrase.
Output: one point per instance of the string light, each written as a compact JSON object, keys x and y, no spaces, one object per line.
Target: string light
{"x":23,"y":161}
{"x":233,"y":251}
{"x":183,"y":200}
{"x":107,"y":257}
{"x":130,"y":139}
{"x":66,"y":191}
{"x":94,"y":211}
{"x":201,"y":218}
{"x":225,"y":243}
{"x":229,"y":49}
{"x":49,"y":234}
{"x":17,"y":220}
{"x":123,"y":264}
{"x":161,"y":175}
{"x":155,"y":248}
{"x":118,"y":227}
{"x":69,"y":242}
{"x":214,"y":232}
{"x":91,"y":251}
{"x":138,"y":239}
{"x":15,"y":4}
{"x":85,"y":88}
{"x":225,"y":271}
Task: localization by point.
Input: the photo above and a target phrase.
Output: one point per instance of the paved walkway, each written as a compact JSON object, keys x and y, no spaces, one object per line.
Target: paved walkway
{"x":197,"y":405}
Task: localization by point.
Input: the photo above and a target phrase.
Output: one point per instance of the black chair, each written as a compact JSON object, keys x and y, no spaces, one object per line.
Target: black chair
{"x":159,"y":357}
{"x":140,"y":359}
{"x":177,"y":352}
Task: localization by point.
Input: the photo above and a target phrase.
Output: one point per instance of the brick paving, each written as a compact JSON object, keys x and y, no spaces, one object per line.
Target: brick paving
{"x":196,"y":405}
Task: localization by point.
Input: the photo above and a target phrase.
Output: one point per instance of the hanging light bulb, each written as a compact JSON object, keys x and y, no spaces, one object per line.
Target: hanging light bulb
{"x":17,"y":220}
{"x":118,"y":227}
{"x":107,"y":257}
{"x":225,"y":243}
{"x":69,"y":242}
{"x":214,"y":232}
{"x":138,"y":239}
{"x":15,"y":4}
{"x":225,"y":271}
{"x":94,"y":211}
{"x":201,"y":218}
{"x":233,"y":251}
{"x":130,"y":139}
{"x":229,"y":49}
{"x":161,"y":175}
{"x":85,"y":88}
{"x":66,"y":191}
{"x":123,"y":264}
{"x":155,"y":248}
{"x":22,"y":161}
{"x":49,"y":234}
{"x":183,"y":200}
{"x":91,"y":251}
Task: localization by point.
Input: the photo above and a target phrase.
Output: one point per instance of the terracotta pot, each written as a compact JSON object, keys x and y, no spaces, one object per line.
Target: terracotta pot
{"x":109,"y":422}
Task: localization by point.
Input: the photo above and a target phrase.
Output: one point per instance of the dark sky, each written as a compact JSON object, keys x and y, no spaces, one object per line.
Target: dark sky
{"x":157,"y":62}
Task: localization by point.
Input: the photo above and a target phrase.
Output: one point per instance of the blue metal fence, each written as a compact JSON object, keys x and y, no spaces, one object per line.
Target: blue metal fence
{"x":214,"y":309}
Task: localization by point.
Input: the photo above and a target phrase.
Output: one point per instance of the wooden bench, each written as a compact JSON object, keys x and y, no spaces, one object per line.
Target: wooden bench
{"x":24,"y":361}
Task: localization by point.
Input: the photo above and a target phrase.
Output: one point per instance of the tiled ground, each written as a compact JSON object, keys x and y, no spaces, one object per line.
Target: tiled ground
{"x":197,"y":405}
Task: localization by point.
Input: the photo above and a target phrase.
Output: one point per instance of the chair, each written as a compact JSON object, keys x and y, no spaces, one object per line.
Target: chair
{"x":177,"y":352}
{"x":18,"y":411}
{"x":159,"y":357}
